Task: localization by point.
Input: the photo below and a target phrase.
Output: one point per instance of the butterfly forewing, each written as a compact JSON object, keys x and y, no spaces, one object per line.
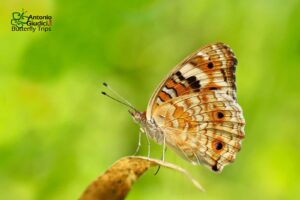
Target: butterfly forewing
{"x":210,"y":68}
{"x":196,"y":108}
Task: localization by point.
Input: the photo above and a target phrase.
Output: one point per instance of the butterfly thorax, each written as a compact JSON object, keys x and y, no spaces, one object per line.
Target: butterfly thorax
{"x":149,"y":127}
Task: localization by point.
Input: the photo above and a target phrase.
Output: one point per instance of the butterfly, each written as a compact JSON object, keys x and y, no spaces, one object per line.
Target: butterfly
{"x":194,"y":111}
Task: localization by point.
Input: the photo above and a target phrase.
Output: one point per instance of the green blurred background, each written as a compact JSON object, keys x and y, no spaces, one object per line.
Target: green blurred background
{"x":58,"y":133}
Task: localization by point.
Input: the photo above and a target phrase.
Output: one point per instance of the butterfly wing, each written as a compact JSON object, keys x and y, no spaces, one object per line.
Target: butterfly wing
{"x":196,"y":108}
{"x":209,"y":68}
{"x":205,"y":128}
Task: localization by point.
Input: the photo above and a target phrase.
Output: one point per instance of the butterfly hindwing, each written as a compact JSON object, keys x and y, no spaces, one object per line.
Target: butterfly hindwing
{"x":207,"y":127}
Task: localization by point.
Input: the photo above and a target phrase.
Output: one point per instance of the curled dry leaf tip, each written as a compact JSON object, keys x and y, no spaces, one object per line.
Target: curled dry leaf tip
{"x":117,"y":181}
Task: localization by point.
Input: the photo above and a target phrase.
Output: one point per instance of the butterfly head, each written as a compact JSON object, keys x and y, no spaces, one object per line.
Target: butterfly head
{"x":138,"y":117}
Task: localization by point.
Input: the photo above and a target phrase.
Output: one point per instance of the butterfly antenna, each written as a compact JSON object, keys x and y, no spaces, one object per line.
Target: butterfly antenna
{"x":117,"y":100}
{"x":117,"y":94}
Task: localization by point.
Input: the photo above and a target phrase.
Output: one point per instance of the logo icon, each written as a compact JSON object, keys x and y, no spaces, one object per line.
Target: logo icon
{"x":19,"y":19}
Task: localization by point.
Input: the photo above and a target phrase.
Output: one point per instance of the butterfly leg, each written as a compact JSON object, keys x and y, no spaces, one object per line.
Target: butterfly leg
{"x":148,"y":141}
{"x":139,"y":144}
{"x":164,"y":149}
{"x":158,"y":168}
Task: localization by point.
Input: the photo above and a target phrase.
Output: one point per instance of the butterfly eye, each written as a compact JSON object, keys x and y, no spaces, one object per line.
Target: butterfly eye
{"x":210,"y":65}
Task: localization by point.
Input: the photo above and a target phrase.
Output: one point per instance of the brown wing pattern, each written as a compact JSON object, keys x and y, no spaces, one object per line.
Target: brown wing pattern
{"x":210,"y":68}
{"x":205,"y":128}
{"x":196,"y":108}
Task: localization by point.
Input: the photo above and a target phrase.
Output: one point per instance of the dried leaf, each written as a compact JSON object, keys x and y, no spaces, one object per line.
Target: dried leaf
{"x":116,"y":182}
